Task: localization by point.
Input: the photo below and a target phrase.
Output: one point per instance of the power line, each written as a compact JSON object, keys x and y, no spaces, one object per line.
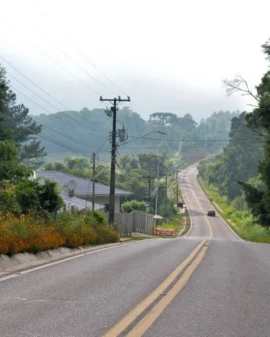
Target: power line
{"x":74,"y":62}
{"x":34,"y":83}
{"x":89,"y":61}
{"x":86,"y":72}
{"x":11,"y":86}
{"x":46,"y":127}
{"x":67,"y":56}
{"x":50,"y":140}
{"x":33,"y":92}
{"x":66,"y":70}
{"x":188,"y":140}
{"x":67,"y":147}
{"x":54,"y":115}
{"x":68,"y":137}
{"x":42,"y":136}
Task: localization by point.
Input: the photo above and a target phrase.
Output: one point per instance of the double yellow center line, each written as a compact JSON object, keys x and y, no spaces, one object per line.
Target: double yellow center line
{"x":192,"y":261}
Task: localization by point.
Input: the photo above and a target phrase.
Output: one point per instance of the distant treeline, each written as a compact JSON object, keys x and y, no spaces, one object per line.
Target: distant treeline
{"x":87,"y":131}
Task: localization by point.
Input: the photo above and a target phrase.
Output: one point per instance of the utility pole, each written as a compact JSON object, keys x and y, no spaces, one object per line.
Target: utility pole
{"x":149,"y":191}
{"x":114,"y":102}
{"x":177,"y":187}
{"x":149,"y":188}
{"x":157,"y":189}
{"x":166,"y":185}
{"x":94,"y":157}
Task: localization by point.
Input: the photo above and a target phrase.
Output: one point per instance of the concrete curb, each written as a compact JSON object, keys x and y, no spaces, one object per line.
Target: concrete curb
{"x":23,"y":261}
{"x":183,"y":229}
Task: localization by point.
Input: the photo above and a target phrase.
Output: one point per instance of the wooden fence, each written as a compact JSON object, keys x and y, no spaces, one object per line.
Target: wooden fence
{"x":136,"y":221}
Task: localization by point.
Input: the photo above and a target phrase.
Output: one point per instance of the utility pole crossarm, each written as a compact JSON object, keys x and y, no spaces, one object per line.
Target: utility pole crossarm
{"x":119,"y":99}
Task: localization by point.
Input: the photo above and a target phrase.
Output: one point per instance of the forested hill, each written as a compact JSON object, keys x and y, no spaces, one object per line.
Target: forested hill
{"x":87,"y":131}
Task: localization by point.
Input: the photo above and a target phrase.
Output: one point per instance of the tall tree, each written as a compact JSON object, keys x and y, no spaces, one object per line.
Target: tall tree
{"x":259,"y":199}
{"x":19,"y":126}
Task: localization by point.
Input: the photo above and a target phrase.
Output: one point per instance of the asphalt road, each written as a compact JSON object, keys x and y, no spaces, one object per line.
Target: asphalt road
{"x":208,"y":283}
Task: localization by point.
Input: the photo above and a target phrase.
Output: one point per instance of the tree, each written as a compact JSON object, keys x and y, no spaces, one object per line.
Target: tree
{"x":42,"y":198}
{"x":76,"y":162}
{"x":238,"y":161}
{"x":151,"y":162}
{"x":16,"y":124}
{"x":259,"y":199}
{"x":10,"y":167}
{"x":163,"y":118}
{"x":128,"y":163}
{"x":132,"y":205}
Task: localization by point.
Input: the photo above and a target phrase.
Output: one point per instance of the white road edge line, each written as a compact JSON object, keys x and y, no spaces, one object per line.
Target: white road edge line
{"x":12,"y":275}
{"x":218,"y":212}
{"x":199,"y":204}
{"x":188,"y":211}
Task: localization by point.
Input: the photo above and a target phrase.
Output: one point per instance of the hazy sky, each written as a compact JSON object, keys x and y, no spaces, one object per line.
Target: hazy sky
{"x":168,"y":56}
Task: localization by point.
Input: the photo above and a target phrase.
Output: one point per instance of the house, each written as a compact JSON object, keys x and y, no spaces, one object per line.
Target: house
{"x":83,"y":189}
{"x":80,"y":204}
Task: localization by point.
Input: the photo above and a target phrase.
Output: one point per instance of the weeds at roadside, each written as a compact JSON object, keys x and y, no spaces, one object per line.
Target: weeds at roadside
{"x":30,"y":233}
{"x":242,"y":222}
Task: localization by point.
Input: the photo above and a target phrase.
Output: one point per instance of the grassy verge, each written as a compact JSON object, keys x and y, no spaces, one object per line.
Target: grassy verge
{"x":186,"y":218}
{"x":174,"y":222}
{"x":180,"y":223}
{"x":242,"y":222}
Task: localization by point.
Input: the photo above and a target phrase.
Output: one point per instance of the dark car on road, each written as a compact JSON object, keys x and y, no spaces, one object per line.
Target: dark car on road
{"x":211,"y":212}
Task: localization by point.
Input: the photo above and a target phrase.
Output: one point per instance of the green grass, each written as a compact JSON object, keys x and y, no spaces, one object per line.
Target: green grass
{"x":242,"y":222}
{"x":187,"y":227}
{"x":178,"y":223}
{"x":172,"y":223}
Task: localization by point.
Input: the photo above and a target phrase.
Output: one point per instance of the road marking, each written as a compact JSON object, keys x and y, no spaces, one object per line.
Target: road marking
{"x":191,"y":224}
{"x":117,"y":329}
{"x":8,"y":277}
{"x":46,"y":265}
{"x":218,"y":212}
{"x":207,"y":220}
{"x":157,"y":310}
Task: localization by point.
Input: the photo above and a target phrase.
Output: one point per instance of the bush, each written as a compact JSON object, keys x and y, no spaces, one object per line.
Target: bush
{"x":99,"y":217}
{"x":129,"y":206}
{"x":30,"y":233}
{"x":239,"y":218}
{"x":40,"y":198}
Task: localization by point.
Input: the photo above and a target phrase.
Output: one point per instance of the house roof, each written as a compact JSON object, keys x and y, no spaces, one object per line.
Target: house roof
{"x":78,"y":203}
{"x":83,"y":186}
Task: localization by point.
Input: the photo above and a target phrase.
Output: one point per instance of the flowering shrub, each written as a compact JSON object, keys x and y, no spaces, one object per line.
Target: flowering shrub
{"x":29,"y":233}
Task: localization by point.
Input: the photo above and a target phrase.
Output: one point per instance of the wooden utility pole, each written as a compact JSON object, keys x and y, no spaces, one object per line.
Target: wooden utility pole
{"x":156,"y":206}
{"x":165,"y":206}
{"x":149,"y":188}
{"x":114,"y":102}
{"x":177,"y":187}
{"x":94,"y":157}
